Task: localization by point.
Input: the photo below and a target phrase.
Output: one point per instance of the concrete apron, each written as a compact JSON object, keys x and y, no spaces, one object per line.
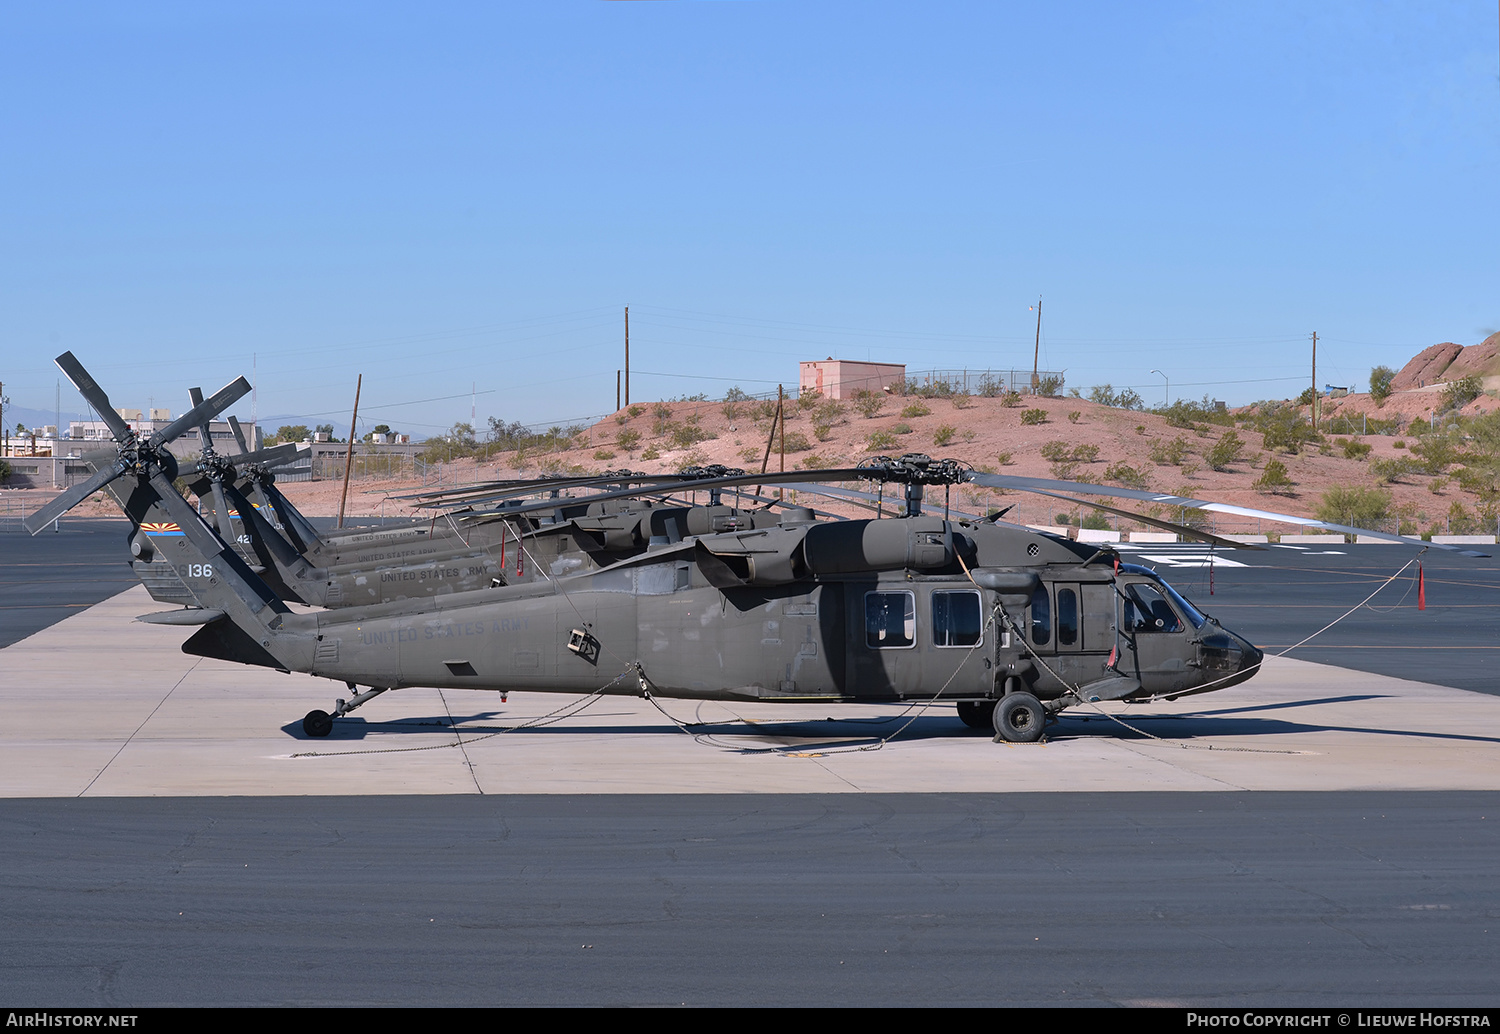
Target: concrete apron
{"x":102,"y":705}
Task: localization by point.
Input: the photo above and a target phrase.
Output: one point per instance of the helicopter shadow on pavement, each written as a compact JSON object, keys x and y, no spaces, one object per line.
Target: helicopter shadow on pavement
{"x":1237,"y":722}
{"x":940,"y":725}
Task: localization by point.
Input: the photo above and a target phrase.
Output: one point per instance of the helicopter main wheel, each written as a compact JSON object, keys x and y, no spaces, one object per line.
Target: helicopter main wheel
{"x":977,"y":714}
{"x":1020,"y":718}
{"x":317,"y":723}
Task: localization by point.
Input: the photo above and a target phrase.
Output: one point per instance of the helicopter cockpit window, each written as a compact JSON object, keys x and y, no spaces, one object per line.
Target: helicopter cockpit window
{"x":1146,"y":610}
{"x":890,"y":620}
{"x":1041,"y":617}
{"x":956,"y":618}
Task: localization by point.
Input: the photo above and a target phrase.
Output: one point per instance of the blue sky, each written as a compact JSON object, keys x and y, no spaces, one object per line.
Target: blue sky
{"x":471,"y":196}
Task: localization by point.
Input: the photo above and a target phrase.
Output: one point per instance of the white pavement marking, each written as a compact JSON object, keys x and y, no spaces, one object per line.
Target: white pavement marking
{"x":87,"y":700}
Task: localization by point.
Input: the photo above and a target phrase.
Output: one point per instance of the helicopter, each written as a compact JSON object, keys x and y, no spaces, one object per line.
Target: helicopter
{"x":1011,"y":624}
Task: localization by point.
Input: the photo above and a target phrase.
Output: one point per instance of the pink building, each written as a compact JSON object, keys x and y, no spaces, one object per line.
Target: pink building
{"x":841,"y":378}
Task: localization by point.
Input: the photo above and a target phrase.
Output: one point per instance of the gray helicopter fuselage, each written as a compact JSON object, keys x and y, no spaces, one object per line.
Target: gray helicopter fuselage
{"x":893,"y":609}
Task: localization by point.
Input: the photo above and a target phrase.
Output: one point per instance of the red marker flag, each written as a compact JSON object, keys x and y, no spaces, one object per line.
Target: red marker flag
{"x":1421,"y":589}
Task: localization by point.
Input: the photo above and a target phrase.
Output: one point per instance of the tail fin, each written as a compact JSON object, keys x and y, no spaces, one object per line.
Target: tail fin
{"x":255,"y":626}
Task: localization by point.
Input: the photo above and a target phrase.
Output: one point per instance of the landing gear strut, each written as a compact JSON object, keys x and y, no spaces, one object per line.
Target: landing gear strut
{"x":320,"y":723}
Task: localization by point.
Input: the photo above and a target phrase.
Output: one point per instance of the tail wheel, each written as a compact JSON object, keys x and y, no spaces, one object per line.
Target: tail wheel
{"x":977,"y":714}
{"x":1020,"y":718}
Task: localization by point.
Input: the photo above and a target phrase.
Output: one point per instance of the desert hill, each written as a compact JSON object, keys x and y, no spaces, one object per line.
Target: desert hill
{"x":1069,"y":438}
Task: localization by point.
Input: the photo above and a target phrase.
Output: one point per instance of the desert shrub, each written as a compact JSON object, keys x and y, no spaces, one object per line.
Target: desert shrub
{"x":944,"y":435}
{"x":662,"y":411}
{"x":690,"y":434}
{"x":1125,"y":398}
{"x":1380,"y":383}
{"x":829,"y":411}
{"x":901,"y":429}
{"x":650,"y":453}
{"x":603,"y":454}
{"x":1356,"y":506}
{"x":1010,"y":399}
{"x":635,"y":410}
{"x":869,"y":403}
{"x":1050,"y":385}
{"x":1124,"y":474}
{"x":1003,"y":458}
{"x":1460,"y":520}
{"x":812,"y":461}
{"x":1186,"y":413}
{"x":731,"y":411}
{"x":1034,"y":416}
{"x":1225,"y":452}
{"x":1354,"y":450}
{"x":1274,"y":479}
{"x":1169,"y":454}
{"x":962,"y":400}
{"x":879,"y":441}
{"x":796,"y":441}
{"x":914,"y":410}
{"x":1073,"y":415}
{"x":1458,"y":394}
{"x":1284,"y":430}
{"x":1095,"y":520}
{"x":628,"y":439}
{"x":1392,"y":470}
{"x":1437,"y":452}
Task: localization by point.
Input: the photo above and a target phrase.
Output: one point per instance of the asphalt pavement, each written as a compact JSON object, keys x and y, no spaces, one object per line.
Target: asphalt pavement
{"x":1205,"y":899}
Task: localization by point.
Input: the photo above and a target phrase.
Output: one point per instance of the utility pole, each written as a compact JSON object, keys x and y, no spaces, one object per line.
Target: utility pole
{"x":627,"y":355}
{"x":1315,"y":383}
{"x":1036,"y":382}
{"x":617,"y":391}
{"x":349,"y":456}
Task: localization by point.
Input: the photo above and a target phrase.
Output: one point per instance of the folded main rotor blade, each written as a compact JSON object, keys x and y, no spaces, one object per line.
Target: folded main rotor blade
{"x":1043,"y":486}
{"x":205,"y":411}
{"x":93,"y":394}
{"x":72,"y":497}
{"x":239,"y":435}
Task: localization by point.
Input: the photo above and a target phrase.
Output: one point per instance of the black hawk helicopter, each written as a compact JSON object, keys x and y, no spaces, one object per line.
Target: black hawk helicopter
{"x":1011,"y":624}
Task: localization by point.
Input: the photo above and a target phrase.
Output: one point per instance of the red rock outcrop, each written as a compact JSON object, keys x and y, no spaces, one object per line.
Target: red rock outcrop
{"x":1427,"y":366}
{"x":1482,"y":360}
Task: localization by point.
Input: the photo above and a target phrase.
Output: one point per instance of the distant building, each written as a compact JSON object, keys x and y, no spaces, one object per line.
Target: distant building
{"x":88,"y":435}
{"x":841,"y":378}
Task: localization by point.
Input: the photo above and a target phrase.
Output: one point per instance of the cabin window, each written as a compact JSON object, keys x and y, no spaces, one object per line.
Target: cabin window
{"x":956,"y":618}
{"x":890,"y":620}
{"x":1041,"y":616}
{"x":1067,"y":617}
{"x":1147,"y":611}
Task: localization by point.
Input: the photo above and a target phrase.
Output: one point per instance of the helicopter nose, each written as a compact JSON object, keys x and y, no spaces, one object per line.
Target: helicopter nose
{"x":1228,"y":658}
